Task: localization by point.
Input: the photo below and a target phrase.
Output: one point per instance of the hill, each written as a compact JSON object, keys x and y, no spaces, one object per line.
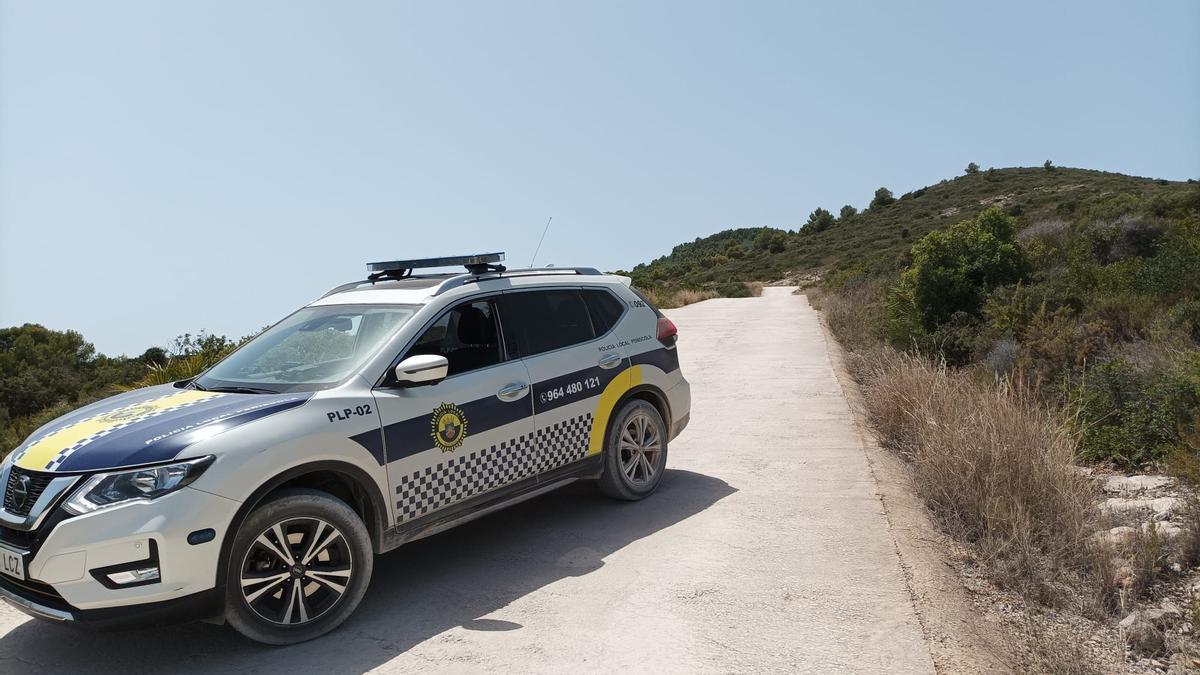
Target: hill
{"x":877,"y":239}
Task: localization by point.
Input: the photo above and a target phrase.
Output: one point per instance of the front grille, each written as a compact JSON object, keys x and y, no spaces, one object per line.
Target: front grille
{"x":31,"y":483}
{"x":18,"y":538}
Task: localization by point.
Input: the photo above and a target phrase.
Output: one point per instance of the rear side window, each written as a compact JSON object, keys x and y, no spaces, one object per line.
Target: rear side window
{"x":606,"y":310}
{"x":648,"y":303}
{"x":540,"y":321}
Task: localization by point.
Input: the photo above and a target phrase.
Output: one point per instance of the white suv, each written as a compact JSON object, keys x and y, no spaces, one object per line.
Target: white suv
{"x":388,"y":410}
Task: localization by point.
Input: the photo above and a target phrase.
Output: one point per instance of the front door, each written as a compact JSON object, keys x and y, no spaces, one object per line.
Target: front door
{"x":467,"y":435}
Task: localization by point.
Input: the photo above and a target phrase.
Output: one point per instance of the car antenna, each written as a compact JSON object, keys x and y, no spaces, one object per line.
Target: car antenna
{"x":539,"y":246}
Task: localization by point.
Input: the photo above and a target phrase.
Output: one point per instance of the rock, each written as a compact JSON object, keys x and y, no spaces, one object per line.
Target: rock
{"x":1125,"y":506}
{"x":1165,"y":508}
{"x":1166,"y":531}
{"x":1141,"y":635}
{"x":1162,"y":616}
{"x":1135,"y":484}
{"x":1121,"y":535}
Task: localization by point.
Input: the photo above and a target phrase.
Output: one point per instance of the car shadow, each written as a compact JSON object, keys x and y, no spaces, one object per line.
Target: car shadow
{"x":417,"y":592}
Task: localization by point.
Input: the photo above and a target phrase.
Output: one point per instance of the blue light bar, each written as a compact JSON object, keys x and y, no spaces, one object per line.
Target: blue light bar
{"x":425,"y":263}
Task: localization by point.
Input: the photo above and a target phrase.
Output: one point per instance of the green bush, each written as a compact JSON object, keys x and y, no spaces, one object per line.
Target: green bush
{"x":954,"y":270}
{"x":733,"y":289}
{"x":1185,"y":316}
{"x":1132,"y":411}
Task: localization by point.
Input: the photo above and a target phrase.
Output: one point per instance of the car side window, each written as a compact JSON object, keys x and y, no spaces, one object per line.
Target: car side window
{"x":540,"y":321}
{"x":606,"y":310}
{"x":466,"y":335}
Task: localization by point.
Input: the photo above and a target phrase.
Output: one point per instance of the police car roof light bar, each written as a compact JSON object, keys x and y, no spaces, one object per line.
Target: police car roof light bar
{"x":478,"y":263}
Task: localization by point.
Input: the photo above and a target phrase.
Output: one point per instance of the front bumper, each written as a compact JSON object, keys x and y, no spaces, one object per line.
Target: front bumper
{"x":188,"y":608}
{"x":65,"y":579}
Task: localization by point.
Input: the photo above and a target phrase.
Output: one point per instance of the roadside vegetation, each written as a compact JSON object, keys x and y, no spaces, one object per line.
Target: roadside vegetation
{"x":45,"y":373}
{"x":1011,"y":357}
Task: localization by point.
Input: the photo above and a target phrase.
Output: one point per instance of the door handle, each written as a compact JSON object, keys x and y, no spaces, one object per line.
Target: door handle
{"x":611,"y":361}
{"x":513,"y":392}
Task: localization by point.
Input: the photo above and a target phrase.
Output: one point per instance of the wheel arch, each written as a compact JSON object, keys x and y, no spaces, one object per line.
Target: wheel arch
{"x":642,"y":392}
{"x":340,"y":479}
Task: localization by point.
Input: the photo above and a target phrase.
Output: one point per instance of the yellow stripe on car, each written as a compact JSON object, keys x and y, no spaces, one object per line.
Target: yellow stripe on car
{"x":626,"y":380}
{"x":42,"y":453}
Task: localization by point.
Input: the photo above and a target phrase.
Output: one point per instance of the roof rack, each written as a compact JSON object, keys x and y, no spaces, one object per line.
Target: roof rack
{"x":480,"y":267}
{"x":464,"y":279}
{"x":477,"y":263}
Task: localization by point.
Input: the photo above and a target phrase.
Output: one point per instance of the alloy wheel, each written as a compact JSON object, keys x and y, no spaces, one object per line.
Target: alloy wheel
{"x":640,"y":446}
{"x":296,"y":570}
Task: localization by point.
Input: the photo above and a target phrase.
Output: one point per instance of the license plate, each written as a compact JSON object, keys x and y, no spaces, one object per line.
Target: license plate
{"x":12,"y":564}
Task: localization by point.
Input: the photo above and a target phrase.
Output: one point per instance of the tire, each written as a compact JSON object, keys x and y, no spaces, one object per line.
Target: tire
{"x":626,"y":476}
{"x":290,"y":603}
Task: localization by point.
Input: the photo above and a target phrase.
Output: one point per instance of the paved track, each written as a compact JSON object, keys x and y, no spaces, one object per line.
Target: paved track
{"x":765,"y":550}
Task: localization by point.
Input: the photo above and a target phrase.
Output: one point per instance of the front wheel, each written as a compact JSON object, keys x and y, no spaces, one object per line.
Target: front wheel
{"x":635,"y":452}
{"x":298,"y":567}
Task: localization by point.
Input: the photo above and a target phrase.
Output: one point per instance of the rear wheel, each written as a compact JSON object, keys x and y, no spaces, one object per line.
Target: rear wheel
{"x":299,"y":566}
{"x":635,"y":452}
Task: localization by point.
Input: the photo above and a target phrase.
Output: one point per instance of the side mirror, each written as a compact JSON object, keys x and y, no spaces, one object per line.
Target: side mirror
{"x":421,"y":369}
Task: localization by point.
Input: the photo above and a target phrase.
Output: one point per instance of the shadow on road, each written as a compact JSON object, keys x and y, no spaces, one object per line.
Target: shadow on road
{"x":417,"y":592}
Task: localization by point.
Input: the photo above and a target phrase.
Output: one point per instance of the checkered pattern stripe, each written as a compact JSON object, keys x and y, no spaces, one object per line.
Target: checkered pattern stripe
{"x":458,"y":478}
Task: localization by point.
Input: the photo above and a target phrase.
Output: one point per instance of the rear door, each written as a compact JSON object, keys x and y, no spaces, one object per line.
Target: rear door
{"x":577,"y":366}
{"x":467,"y":435}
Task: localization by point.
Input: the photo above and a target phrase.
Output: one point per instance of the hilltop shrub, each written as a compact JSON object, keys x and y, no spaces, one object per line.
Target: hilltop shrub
{"x":773,"y":241}
{"x":954,"y":270}
{"x":883,"y":197}
{"x":819,"y":220}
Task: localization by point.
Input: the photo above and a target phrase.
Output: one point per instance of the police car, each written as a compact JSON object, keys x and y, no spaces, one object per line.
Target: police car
{"x":387,"y":410}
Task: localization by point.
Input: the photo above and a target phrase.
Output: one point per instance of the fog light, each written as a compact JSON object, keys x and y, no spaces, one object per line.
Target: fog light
{"x":140,"y":575}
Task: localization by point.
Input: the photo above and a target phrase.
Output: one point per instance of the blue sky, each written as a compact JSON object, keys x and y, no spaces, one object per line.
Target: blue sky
{"x":170,"y":167}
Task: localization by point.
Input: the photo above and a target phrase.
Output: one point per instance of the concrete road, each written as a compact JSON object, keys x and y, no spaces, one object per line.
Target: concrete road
{"x":765,"y":550}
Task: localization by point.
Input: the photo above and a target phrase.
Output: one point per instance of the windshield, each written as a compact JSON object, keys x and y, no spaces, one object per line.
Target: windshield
{"x":315,"y":348}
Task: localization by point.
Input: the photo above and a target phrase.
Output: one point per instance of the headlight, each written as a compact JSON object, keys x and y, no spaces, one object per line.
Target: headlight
{"x":109,"y":489}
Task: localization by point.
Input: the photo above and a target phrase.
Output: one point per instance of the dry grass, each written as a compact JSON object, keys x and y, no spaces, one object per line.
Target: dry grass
{"x":853,"y":314}
{"x":1056,"y":652}
{"x":755,"y":288}
{"x":666,"y":299}
{"x":994,"y":468}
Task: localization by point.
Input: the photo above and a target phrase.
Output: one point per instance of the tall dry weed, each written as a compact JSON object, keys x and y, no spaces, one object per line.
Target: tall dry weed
{"x":993,"y":466}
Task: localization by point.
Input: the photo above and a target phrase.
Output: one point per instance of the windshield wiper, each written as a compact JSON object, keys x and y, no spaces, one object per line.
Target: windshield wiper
{"x":240,"y":390}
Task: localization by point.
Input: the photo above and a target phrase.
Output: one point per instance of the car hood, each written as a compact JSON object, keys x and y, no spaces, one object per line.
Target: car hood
{"x":142,"y":427}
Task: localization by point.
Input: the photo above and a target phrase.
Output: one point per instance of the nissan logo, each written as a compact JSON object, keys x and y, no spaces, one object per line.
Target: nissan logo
{"x":20,"y":492}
